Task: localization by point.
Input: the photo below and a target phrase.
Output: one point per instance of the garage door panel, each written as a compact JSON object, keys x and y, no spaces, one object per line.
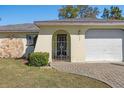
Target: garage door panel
{"x":104,"y":34}
{"x":104,"y":48}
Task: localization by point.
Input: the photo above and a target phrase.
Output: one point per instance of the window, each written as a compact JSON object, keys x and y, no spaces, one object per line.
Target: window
{"x":31,"y":40}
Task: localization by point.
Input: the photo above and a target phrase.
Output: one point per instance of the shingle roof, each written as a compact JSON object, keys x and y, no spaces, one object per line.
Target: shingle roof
{"x":27,"y":27}
{"x":79,"y":22}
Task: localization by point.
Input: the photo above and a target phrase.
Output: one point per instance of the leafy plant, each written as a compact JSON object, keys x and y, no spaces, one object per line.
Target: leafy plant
{"x":38,"y":59}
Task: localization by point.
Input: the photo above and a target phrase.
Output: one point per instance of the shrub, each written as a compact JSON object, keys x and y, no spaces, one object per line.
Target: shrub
{"x":38,"y":58}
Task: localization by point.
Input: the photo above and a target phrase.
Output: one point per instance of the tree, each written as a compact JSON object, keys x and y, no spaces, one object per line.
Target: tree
{"x":106,"y":13}
{"x":82,"y":10}
{"x":78,"y":11}
{"x":91,"y":12}
{"x":68,"y":11}
{"x":115,"y":12}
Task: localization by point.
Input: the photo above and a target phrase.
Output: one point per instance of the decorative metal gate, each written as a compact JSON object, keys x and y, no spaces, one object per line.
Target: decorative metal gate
{"x":61,"y":48}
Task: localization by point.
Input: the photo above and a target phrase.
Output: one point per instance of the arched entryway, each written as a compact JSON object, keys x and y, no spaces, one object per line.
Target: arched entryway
{"x":61,"y":46}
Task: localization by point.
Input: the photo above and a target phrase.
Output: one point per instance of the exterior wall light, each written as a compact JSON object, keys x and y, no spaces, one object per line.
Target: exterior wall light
{"x":79,"y":32}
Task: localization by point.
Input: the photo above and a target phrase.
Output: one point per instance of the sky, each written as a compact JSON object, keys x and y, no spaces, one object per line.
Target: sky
{"x":19,"y":14}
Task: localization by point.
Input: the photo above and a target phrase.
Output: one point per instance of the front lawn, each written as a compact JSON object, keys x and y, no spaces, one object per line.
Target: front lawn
{"x":13,"y":73}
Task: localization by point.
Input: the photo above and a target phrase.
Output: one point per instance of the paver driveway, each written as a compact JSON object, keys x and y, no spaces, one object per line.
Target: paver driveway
{"x":110,"y":73}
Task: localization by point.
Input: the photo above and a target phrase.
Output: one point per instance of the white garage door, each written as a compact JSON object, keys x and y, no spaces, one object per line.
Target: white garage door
{"x":104,"y":45}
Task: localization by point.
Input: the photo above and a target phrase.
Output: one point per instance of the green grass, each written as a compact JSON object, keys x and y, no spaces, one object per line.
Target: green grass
{"x":13,"y":73}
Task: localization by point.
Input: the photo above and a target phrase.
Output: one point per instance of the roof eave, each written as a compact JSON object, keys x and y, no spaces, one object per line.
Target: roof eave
{"x":72,"y":24}
{"x":18,"y":31}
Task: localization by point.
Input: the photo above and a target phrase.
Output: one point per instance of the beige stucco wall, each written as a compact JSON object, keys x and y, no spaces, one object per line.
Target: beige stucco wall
{"x":13,"y":38}
{"x":44,"y":41}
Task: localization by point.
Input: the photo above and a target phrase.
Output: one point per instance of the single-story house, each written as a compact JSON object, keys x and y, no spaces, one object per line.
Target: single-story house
{"x":72,"y":40}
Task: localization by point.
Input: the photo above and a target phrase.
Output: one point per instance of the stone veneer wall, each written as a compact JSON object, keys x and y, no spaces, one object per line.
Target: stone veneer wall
{"x":11,"y":48}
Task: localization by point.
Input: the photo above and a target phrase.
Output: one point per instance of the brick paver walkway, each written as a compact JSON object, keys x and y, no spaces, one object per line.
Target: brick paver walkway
{"x":110,"y":73}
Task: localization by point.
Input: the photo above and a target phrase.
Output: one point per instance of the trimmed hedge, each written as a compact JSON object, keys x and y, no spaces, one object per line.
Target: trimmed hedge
{"x":38,"y":58}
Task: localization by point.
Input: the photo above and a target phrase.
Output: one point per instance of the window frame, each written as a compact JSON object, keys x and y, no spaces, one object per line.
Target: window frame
{"x":30,"y":39}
